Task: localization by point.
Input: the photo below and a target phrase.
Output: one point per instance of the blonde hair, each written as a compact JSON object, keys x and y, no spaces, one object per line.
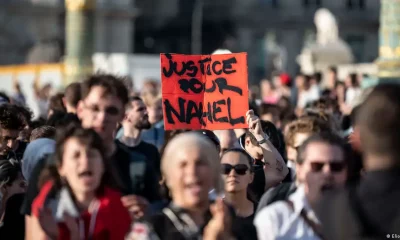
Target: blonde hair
{"x":306,"y":124}
{"x":209,"y":152}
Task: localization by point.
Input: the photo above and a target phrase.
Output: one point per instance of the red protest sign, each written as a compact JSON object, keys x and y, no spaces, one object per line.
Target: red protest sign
{"x":204,"y":91}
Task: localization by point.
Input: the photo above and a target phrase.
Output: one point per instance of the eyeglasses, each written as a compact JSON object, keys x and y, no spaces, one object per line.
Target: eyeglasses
{"x":240,"y":169}
{"x":333,"y":166}
{"x":111,"y":111}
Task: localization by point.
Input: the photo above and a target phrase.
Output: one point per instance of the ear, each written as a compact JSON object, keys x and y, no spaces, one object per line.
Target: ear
{"x":79,"y":109}
{"x":247,"y":141}
{"x":251,"y":179}
{"x":64,"y":101}
{"x":61,"y":171}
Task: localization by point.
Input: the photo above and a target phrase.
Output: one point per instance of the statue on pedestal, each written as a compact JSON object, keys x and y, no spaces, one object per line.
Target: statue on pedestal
{"x":328,"y":49}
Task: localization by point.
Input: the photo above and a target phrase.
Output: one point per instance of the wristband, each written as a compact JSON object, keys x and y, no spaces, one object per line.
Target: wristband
{"x":264,"y":140}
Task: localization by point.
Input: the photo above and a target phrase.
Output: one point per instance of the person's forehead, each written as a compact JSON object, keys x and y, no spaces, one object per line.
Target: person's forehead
{"x":9,"y":132}
{"x":233,"y":157}
{"x":99,"y":96}
{"x":138,"y":104}
{"x":323,"y":152}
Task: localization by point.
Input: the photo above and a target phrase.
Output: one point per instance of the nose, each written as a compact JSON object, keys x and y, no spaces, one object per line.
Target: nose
{"x":12,"y":143}
{"x":232,"y":173}
{"x":327,"y":169}
{"x":101,"y":116}
{"x":84,"y":161}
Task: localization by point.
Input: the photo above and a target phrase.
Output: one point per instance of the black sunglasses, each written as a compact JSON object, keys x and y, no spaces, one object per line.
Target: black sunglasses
{"x":240,"y":169}
{"x":333,"y":166}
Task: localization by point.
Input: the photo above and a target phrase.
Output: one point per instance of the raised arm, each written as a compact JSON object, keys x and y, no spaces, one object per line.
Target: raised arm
{"x":275,"y":168}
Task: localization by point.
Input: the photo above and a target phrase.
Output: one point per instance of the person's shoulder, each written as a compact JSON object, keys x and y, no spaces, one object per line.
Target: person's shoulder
{"x":274,"y":213}
{"x":41,"y":198}
{"x":148,"y":146}
{"x":111,"y":194}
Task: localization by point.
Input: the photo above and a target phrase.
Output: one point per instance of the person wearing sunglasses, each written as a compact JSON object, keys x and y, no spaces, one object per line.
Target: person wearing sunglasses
{"x":321,"y":165}
{"x":237,"y":173}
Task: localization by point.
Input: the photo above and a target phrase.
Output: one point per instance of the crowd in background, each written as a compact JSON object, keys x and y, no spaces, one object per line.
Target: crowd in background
{"x":315,"y":162}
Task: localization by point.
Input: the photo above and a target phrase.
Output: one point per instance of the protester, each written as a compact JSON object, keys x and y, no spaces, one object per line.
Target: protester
{"x":268,"y":93}
{"x":75,"y":202}
{"x":321,"y":166}
{"x":299,"y":131}
{"x":11,"y":124}
{"x":191,"y":168}
{"x":269,"y":112}
{"x":72,"y":97}
{"x":102,"y":106}
{"x":156,"y":134}
{"x":150,"y":91}
{"x":237,"y":172}
{"x":227,"y":140}
{"x":36,"y":151}
{"x":257,"y":144}
{"x":56,"y":104}
{"x":332,"y":80}
{"x":26,"y":116}
{"x":369,"y":208}
{"x":42,"y":95}
{"x":307,"y":93}
{"x":135,"y":121}
{"x":12,"y":187}
{"x":353,"y":90}
{"x":43,"y":132}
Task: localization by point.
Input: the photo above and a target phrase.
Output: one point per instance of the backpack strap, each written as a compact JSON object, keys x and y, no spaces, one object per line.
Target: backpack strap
{"x":315,"y":226}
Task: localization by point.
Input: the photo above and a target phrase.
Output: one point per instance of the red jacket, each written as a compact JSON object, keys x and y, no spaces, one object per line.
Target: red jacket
{"x":112,"y":221}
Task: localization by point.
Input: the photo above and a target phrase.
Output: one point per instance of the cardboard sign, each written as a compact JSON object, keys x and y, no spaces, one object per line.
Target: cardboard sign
{"x":204,"y":91}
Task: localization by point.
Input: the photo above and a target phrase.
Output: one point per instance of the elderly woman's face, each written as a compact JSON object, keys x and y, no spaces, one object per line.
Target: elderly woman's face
{"x":189,"y":176}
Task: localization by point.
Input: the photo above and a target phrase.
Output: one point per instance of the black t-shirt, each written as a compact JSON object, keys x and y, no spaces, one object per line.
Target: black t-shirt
{"x":136,"y":174}
{"x":19,"y":153}
{"x":165,"y":229}
{"x":150,"y":152}
{"x":13,"y":226}
{"x":121,"y":166}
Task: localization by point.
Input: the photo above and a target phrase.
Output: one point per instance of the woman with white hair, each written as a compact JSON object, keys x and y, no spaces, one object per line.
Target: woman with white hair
{"x":190,"y":165}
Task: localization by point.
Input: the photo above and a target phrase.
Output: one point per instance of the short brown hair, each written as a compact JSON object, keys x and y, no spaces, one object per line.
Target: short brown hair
{"x":379,"y":121}
{"x":309,"y":125}
{"x":43,"y":132}
{"x":322,"y":137}
{"x":73,"y":94}
{"x":56,"y":103}
{"x":113,"y":85}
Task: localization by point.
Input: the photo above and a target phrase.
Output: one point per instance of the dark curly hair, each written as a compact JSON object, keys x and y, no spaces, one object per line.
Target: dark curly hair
{"x":11,"y":117}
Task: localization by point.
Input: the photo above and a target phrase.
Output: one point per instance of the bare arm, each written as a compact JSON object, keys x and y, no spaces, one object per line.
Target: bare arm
{"x":275,"y":166}
{"x":33,"y":230}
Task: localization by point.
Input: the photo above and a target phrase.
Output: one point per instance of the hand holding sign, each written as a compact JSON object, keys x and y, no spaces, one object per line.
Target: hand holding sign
{"x":204,"y":91}
{"x":254,"y":123}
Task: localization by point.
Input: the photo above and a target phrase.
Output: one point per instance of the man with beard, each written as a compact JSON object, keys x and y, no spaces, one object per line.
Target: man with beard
{"x":135,"y":121}
{"x":321,"y":165}
{"x":11,"y":124}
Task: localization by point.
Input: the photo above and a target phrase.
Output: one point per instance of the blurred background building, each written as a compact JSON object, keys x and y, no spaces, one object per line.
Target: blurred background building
{"x":272,"y":32}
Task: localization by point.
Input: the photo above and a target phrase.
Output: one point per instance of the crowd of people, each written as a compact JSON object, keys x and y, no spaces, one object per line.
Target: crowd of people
{"x":314,"y":163}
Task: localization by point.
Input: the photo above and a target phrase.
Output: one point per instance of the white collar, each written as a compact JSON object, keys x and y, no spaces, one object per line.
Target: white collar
{"x":300,"y":202}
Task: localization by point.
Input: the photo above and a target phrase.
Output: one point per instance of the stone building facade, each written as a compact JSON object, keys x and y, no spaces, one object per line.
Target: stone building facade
{"x":273,"y":32}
